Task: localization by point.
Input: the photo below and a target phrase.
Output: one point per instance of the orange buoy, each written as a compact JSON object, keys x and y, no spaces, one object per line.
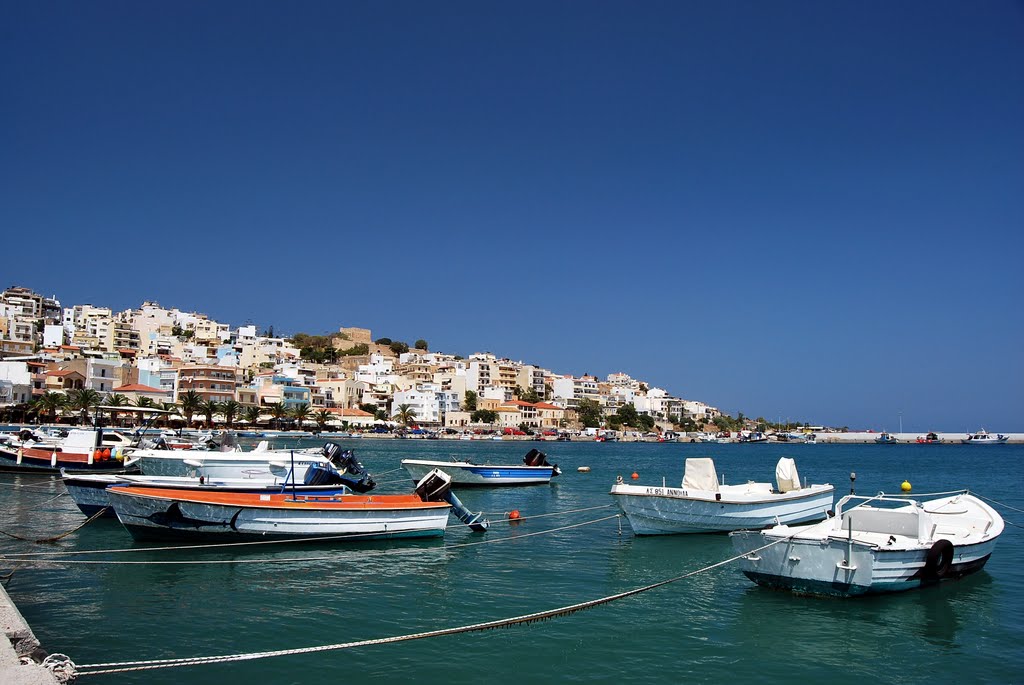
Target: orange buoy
{"x":513,"y":515}
{"x":635,"y":475}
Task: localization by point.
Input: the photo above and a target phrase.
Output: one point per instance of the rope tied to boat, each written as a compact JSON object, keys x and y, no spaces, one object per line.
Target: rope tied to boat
{"x":126,"y":666}
{"x":55,"y":538}
{"x":37,"y":557}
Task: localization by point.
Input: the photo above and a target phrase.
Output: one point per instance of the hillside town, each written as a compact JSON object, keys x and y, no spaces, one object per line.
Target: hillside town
{"x":59,"y":362}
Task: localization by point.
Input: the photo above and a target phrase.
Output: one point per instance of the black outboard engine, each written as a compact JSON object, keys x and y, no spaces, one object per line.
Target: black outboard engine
{"x":349,"y":472}
{"x":436,"y":486}
{"x":537,"y":458}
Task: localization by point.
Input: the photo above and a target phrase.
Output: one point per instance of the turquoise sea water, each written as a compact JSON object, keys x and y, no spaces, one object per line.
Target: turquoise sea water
{"x":714,"y":627}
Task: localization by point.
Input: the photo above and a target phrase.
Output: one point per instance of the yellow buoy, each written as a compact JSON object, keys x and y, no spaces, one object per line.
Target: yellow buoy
{"x":906,"y":486}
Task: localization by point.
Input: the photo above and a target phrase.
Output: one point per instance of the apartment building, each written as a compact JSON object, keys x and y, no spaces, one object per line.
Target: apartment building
{"x":216,"y":383}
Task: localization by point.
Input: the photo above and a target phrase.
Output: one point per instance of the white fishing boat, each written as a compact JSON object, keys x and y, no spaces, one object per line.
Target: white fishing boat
{"x":983,"y":437}
{"x":886,"y":439}
{"x":882,"y":544}
{"x":173,"y":513}
{"x":703,"y":505}
{"x":535,"y":470}
{"x":231,"y":462}
{"x":89,"y":490}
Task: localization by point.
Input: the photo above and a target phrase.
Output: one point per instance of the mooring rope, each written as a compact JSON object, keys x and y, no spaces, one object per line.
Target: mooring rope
{"x":34,"y":558}
{"x":125,"y":666}
{"x":989,"y":499}
{"x":52,"y":499}
{"x":57,"y":537}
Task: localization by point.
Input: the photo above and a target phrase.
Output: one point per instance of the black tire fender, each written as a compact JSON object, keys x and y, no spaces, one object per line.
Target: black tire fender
{"x":939,"y":560}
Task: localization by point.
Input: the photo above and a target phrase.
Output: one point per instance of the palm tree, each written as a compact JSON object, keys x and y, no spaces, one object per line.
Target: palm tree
{"x":191,"y":402}
{"x":229,"y":409}
{"x":51,"y":402}
{"x":278,"y":411}
{"x":300,"y":412}
{"x":208,"y":408}
{"x":115,"y":399}
{"x":144,"y":402}
{"x":84,"y":399}
{"x":252,"y":415}
{"x":322,"y":417}
{"x":404,"y":414}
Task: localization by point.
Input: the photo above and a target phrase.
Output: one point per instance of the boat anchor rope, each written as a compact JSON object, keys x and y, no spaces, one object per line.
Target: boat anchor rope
{"x":55,"y":538}
{"x":127,"y":666}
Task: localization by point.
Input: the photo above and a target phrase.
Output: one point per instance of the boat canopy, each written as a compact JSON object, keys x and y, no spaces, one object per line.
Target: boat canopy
{"x":786,"y":475}
{"x":700,"y":474}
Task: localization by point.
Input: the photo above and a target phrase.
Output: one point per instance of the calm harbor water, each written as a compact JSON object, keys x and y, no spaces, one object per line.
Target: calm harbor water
{"x":714,"y":627}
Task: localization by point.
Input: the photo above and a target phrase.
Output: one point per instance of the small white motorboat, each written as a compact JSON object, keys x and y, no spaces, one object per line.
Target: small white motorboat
{"x":703,"y":505}
{"x":231,"y":462}
{"x":883,"y":544}
{"x":535,"y":470}
{"x":983,"y":437}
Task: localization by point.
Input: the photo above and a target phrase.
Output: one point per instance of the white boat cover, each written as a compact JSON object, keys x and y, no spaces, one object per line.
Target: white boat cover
{"x":786,"y":475}
{"x":700,"y":474}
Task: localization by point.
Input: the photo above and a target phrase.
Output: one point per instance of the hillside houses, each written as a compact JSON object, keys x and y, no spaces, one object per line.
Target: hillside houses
{"x":162,"y":354}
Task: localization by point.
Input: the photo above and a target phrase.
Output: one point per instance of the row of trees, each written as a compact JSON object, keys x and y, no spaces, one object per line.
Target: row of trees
{"x":85,"y":402}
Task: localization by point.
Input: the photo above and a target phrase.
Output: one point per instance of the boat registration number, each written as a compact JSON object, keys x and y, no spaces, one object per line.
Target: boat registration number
{"x":671,"y":492}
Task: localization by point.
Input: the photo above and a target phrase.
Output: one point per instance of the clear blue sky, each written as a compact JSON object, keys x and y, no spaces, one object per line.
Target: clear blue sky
{"x":811,"y":210}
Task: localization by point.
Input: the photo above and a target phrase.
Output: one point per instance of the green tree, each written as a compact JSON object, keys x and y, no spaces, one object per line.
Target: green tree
{"x":208,"y":409}
{"x":277,"y":412}
{"x":191,"y":403}
{"x":84,"y":400}
{"x":143,"y":402}
{"x":421,"y":344}
{"x":230,"y":409}
{"x":484,"y":416}
{"x":399,"y":347}
{"x":404,"y":414}
{"x":381,"y":415}
{"x":382,"y":341}
{"x":300,"y":412}
{"x":530,"y":395}
{"x":322,"y":417}
{"x":51,"y":403}
{"x":115,"y":399}
{"x":252,"y":415}
{"x":589,"y":413}
{"x":469,"y":404}
{"x":368,"y":407}
{"x":356,"y":350}
{"x":628,"y":415}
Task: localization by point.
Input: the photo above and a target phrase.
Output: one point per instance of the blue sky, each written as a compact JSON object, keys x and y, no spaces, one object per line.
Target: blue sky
{"x":798,"y":209}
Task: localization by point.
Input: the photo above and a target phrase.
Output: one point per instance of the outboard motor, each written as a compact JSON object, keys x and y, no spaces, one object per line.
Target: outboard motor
{"x":436,"y":486}
{"x":347,"y":469}
{"x":537,"y":458}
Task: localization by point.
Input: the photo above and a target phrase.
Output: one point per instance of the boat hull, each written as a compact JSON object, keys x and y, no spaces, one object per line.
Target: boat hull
{"x":161,"y":514}
{"x":263,"y":465}
{"x":36,"y":460}
{"x":667,"y":511}
{"x":817,"y":567}
{"x":465,"y":474}
{"x":89,"y":491}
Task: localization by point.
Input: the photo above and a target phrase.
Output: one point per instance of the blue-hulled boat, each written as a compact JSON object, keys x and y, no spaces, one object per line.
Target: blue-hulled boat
{"x":535,"y":470}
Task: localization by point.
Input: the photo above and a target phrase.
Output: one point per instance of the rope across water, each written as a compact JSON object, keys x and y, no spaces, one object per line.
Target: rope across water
{"x":125,"y":666}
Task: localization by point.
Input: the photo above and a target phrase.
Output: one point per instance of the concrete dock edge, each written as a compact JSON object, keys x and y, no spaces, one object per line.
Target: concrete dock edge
{"x":20,"y":642}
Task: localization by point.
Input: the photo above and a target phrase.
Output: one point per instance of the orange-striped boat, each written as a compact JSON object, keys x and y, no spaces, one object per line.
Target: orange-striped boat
{"x":162,"y":513}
